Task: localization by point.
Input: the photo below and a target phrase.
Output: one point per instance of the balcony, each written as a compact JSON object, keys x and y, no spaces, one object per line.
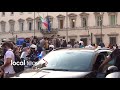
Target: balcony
{"x":53,"y":31}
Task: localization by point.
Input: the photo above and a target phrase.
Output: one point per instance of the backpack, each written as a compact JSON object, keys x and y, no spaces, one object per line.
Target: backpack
{"x":18,"y":68}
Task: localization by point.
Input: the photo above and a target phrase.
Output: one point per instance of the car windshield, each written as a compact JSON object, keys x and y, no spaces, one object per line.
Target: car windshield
{"x":68,"y":60}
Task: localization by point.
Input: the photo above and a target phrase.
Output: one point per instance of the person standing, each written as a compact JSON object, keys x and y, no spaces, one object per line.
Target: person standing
{"x":69,"y":45}
{"x":57,"y":43}
{"x":61,"y":43}
{"x":101,"y":44}
{"x":76,"y":45}
{"x":42,"y":43}
{"x":46,"y":44}
{"x":8,"y":57}
{"x":81,"y":42}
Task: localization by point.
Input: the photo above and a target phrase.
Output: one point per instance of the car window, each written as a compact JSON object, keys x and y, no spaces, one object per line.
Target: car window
{"x":109,"y":63}
{"x":100,"y":58}
{"x":70,"y":60}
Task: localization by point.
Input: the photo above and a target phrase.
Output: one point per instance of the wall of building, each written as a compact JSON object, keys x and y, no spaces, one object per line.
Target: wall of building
{"x":72,"y":33}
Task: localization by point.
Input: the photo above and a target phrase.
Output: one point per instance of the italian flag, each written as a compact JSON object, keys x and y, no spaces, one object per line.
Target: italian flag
{"x":44,"y":22}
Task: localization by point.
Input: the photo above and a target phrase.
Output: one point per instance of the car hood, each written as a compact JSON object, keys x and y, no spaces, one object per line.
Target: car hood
{"x":31,"y":73}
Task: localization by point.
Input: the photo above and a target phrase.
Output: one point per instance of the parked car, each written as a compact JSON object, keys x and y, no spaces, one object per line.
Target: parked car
{"x":68,"y":63}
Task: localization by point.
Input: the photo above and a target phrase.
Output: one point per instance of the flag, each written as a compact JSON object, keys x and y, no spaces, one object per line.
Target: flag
{"x":49,"y":25}
{"x":44,"y":21}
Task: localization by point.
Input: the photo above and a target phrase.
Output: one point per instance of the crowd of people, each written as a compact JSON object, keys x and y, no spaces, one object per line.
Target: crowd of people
{"x":36,"y":50}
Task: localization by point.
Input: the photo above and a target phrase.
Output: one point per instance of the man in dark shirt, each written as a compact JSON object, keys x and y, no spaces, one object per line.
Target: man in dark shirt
{"x":115,"y":55}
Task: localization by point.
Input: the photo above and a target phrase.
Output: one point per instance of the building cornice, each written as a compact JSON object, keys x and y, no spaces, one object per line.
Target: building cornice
{"x":60,"y":16}
{"x":84,"y":35}
{"x":50,"y":17}
{"x":98,"y":35}
{"x":21,"y":20}
{"x":29,"y":19}
{"x":84,"y":14}
{"x":113,"y":34}
{"x":2,"y":22}
{"x":72,"y":15}
{"x":112,"y":13}
{"x":11,"y":21}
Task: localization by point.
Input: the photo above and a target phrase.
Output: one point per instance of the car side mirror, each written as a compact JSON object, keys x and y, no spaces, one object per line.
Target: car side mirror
{"x":111,"y":69}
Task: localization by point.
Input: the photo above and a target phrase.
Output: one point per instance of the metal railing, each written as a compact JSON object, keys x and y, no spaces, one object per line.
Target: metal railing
{"x":53,"y":31}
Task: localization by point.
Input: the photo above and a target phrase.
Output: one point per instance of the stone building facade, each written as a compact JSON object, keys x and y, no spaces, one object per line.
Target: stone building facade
{"x":89,"y":26}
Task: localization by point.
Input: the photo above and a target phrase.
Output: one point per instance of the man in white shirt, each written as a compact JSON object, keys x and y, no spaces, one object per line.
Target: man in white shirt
{"x":8,"y":57}
{"x":69,"y":45}
{"x":82,"y":43}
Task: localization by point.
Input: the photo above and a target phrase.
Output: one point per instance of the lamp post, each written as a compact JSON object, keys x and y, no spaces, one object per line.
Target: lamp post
{"x":88,"y":36}
{"x":34,"y":24}
{"x":67,"y":26}
{"x":86,"y":28}
{"x":101,"y":23}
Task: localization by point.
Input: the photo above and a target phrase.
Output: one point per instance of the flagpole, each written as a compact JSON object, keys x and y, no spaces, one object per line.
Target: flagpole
{"x":67,"y":26}
{"x":47,"y":19}
{"x":34,"y":23}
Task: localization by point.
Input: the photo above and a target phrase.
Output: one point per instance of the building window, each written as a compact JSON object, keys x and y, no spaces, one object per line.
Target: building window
{"x":21,"y":26}
{"x":39,"y":27}
{"x":12,"y":24}
{"x":73,"y":23}
{"x":11,"y":27}
{"x":72,"y":18}
{"x":30,"y":23}
{"x":3,"y":13}
{"x":98,"y":40}
{"x":38,"y":23}
{"x":3,"y":24}
{"x":61,"y":24}
{"x":30,"y":26}
{"x":98,"y":20}
{"x":60,"y":21}
{"x":84,"y":22}
{"x":84,"y":19}
{"x":112,"y":40}
{"x":112,"y":20}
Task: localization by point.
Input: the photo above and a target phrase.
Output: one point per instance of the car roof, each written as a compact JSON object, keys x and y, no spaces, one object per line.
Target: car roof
{"x":84,"y":49}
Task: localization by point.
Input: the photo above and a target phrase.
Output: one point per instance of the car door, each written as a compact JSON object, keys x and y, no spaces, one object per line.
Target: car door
{"x":107,"y":53}
{"x":104,"y":56}
{"x":98,"y":61}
